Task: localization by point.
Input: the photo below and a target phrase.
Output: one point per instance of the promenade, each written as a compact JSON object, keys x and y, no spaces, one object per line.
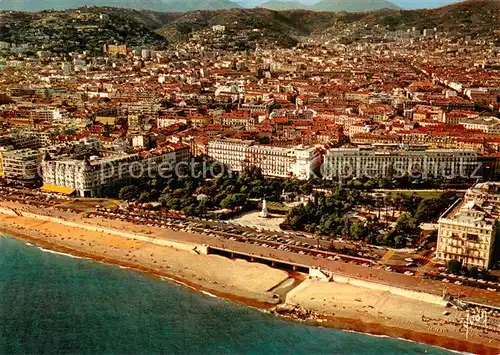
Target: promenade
{"x":348,"y":270}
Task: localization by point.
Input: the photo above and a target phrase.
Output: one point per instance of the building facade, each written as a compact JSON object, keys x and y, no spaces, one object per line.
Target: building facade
{"x":467,"y":233}
{"x":21,"y":165}
{"x":348,"y":163}
{"x":229,"y":152}
{"x":88,"y":177}
{"x":284,"y":162}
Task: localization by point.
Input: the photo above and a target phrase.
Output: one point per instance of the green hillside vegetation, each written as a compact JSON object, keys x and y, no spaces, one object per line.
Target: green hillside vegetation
{"x":58,"y":29}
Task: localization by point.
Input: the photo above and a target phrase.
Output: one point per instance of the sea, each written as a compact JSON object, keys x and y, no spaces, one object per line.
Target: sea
{"x":51,"y":303}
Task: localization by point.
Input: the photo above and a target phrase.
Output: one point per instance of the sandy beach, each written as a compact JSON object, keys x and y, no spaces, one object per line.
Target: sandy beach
{"x":211,"y":273}
{"x":382,"y":312}
{"x":339,"y":305}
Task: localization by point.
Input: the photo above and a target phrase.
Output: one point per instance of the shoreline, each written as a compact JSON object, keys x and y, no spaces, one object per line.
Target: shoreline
{"x":63,"y":250}
{"x":330,"y":321}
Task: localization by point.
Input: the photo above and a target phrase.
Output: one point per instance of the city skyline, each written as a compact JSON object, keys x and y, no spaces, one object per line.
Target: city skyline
{"x":332,"y":169}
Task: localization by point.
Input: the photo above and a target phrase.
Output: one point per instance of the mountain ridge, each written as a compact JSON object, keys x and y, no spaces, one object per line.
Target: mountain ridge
{"x":283,"y":5}
{"x":191,"y":5}
{"x":154,"y":5}
{"x":354,"y":6}
{"x":284,"y":28}
{"x":332,"y":5}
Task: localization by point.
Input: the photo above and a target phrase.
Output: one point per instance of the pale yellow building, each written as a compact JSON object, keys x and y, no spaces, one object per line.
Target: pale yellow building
{"x":468,"y":233}
{"x":116,"y":49}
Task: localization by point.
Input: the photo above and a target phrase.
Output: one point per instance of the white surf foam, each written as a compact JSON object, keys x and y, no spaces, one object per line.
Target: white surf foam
{"x":59,"y":253}
{"x":209,"y":294}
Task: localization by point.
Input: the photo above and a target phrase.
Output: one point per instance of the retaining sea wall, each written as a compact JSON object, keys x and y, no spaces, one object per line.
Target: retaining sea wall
{"x":158,"y":241}
{"x":202,"y":249}
{"x":414,"y":295}
{"x":7,"y":211}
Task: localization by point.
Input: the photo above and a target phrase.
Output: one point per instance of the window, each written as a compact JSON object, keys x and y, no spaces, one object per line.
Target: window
{"x":473,"y":237}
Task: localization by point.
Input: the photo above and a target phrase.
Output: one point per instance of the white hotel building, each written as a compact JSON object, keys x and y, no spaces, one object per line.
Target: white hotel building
{"x":348,"y":163}
{"x":88,"y":177}
{"x":236,"y":154}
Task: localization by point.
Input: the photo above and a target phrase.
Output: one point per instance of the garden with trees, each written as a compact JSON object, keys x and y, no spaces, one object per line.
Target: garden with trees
{"x":335,"y":216}
{"x":197,"y":195}
{"x":331,"y":211}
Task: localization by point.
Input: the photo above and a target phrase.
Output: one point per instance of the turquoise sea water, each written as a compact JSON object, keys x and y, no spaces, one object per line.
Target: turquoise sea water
{"x":55,"y":304}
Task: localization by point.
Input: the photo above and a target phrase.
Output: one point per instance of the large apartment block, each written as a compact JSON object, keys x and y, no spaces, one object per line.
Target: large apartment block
{"x":230,"y":152}
{"x":21,"y":165}
{"x":348,"y":163}
{"x":468,"y":232}
{"x":87,"y":177}
{"x":236,"y":154}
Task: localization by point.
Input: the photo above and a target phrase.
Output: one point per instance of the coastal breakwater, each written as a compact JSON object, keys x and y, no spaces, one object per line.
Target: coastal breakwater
{"x":323,"y":275}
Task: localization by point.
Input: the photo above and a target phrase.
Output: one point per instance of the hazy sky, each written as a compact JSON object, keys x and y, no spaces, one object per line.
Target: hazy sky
{"x":420,"y":4}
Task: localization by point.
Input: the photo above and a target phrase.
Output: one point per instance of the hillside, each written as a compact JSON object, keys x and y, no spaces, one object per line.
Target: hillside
{"x":190,"y":5}
{"x":471,"y":17}
{"x":66,"y":31}
{"x":69,"y":29}
{"x":282,"y":27}
{"x":474,"y":17}
{"x":404,"y":4}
